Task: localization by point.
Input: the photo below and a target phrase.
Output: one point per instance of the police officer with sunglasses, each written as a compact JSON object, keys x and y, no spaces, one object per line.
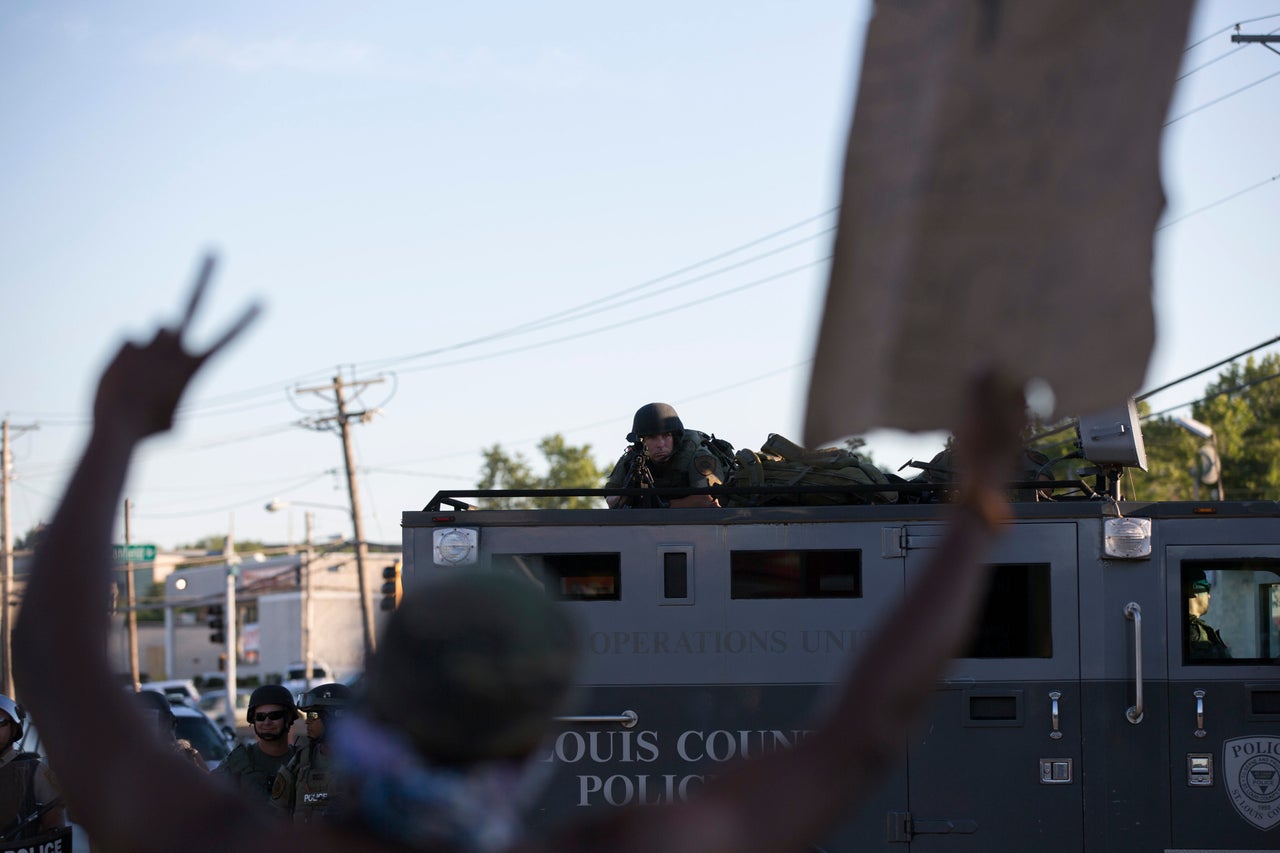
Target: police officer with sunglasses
{"x":302,"y":785}
{"x":252,"y":767}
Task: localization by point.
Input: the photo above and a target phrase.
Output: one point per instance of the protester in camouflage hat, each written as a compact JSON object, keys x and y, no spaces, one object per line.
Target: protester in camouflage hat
{"x":480,"y":678}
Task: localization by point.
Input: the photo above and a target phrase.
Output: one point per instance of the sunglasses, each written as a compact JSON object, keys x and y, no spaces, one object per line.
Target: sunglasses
{"x":273,"y":716}
{"x":320,"y":715}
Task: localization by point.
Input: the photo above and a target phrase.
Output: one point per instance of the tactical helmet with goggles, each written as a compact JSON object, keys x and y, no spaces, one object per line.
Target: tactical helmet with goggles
{"x":655,"y":419}
{"x":326,"y":697}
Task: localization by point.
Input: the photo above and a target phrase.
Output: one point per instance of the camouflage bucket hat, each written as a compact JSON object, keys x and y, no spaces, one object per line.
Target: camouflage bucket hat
{"x":472,"y":667}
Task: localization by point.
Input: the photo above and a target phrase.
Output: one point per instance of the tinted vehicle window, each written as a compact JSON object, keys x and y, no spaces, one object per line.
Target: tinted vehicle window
{"x":1232,"y":611}
{"x":795,"y":574}
{"x":204,"y":736}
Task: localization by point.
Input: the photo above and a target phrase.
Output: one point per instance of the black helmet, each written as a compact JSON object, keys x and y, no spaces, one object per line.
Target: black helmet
{"x":156,"y":705}
{"x":272,"y":694}
{"x":333,"y":695}
{"x":655,"y":419}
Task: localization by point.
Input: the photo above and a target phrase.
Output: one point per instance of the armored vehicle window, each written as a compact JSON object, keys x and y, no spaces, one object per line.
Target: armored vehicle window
{"x":795,"y":574}
{"x":1232,"y":611}
{"x":569,"y":577}
{"x":1016,"y":620}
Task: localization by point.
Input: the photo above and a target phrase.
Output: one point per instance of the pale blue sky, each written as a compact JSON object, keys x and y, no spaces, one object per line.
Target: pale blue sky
{"x":409,"y":177}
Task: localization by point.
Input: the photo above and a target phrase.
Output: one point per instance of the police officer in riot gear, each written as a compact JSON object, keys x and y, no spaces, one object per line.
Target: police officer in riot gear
{"x":253,"y":766}
{"x":30,"y":802}
{"x":303,"y":786}
{"x":675,"y":457}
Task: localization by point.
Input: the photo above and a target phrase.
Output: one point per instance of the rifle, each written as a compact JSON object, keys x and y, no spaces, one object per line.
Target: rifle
{"x":640,"y":477}
{"x":15,"y":829}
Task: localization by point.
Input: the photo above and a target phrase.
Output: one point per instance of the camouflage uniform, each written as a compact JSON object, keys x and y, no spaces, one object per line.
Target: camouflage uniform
{"x":301,"y":786}
{"x":691,"y":464}
{"x":1204,"y":642}
{"x":252,"y":770}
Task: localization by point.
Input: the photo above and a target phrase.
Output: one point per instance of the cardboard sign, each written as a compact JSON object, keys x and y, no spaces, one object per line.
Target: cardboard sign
{"x":1000,"y":196}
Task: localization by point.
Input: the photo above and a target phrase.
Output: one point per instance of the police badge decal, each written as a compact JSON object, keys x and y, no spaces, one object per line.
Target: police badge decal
{"x":1251,"y":770}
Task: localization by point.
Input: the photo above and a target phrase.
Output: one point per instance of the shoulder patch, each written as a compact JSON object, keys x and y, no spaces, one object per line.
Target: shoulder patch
{"x":277,"y":787}
{"x":706,"y":465}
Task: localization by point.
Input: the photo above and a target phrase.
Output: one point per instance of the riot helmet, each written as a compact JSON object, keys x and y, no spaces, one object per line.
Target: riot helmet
{"x":17,"y":716}
{"x":655,"y":419}
{"x":333,"y":696}
{"x":272,"y":694}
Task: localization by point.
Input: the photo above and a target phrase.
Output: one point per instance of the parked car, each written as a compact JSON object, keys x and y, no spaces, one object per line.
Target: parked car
{"x":214,"y":703}
{"x":181,"y":689}
{"x":295,"y":676}
{"x":194,"y":725}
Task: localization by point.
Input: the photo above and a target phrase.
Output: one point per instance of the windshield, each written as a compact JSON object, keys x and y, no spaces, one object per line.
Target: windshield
{"x":204,"y":736}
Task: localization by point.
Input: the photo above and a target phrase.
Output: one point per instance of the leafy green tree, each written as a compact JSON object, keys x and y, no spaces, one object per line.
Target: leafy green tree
{"x":29,"y":540}
{"x":1242,"y":407}
{"x":567,"y":467}
{"x":217,"y":543}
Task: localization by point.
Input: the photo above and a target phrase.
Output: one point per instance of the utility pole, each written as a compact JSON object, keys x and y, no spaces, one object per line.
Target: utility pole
{"x":6,"y":545}
{"x":307,"y":654}
{"x":131,"y":594}
{"x":229,"y":616}
{"x":343,"y":420}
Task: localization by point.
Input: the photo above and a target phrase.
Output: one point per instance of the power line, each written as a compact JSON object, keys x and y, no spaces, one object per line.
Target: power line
{"x":1228,"y":29}
{"x":611,"y":301}
{"x":1145,"y":394}
{"x":630,"y":321}
{"x":1214,"y":204}
{"x":1221,"y":99}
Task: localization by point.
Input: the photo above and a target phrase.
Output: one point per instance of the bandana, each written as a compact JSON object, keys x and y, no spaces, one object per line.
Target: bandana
{"x":398,"y":794}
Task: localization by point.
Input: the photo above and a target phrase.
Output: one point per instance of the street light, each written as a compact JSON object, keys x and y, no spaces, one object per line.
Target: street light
{"x":1208,"y":469}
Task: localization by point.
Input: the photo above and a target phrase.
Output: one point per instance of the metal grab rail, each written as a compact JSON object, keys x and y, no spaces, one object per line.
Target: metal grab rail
{"x":1054,"y":696}
{"x":627,"y":719}
{"x":1133,"y":613}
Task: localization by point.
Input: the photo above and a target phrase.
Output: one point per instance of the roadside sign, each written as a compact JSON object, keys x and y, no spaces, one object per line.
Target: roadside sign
{"x":133,"y":553}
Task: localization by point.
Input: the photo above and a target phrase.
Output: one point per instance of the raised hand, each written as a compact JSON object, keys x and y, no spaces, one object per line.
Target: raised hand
{"x":142,"y":386}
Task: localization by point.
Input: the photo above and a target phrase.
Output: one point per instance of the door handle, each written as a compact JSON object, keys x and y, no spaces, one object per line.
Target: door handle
{"x":1133,"y":613}
{"x":1199,"y":732}
{"x":1054,"y":696}
{"x":627,"y":719}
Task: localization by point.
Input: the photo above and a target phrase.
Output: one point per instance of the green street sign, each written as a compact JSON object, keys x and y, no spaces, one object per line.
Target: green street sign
{"x":133,"y":553}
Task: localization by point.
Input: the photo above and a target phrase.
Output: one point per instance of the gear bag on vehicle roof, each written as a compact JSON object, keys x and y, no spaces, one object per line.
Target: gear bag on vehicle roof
{"x":782,"y":462}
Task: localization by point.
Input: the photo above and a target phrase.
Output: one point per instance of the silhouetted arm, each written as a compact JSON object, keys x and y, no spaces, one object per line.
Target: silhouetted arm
{"x":128,"y":791}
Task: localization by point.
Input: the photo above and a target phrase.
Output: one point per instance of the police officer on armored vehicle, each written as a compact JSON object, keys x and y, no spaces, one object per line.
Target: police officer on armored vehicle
{"x":26,"y":783}
{"x":302,"y":787}
{"x":253,"y":766}
{"x":1204,"y":642}
{"x":674,"y":456}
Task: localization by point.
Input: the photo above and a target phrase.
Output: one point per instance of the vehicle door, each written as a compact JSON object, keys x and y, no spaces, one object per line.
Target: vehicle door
{"x":1224,"y":699}
{"x":997,"y":763}
{"x":703,"y":644}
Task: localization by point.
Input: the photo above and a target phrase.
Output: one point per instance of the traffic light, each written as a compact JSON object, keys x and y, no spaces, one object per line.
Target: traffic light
{"x":217,"y":635}
{"x":391,"y":586}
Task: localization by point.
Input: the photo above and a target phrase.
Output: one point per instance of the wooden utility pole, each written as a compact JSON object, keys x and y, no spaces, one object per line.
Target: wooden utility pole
{"x":307,"y":653}
{"x":6,"y":545}
{"x":343,"y":420}
{"x":131,"y":594}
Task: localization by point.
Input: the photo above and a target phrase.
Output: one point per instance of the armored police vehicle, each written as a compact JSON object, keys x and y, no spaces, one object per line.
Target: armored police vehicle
{"x":1089,"y":713}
